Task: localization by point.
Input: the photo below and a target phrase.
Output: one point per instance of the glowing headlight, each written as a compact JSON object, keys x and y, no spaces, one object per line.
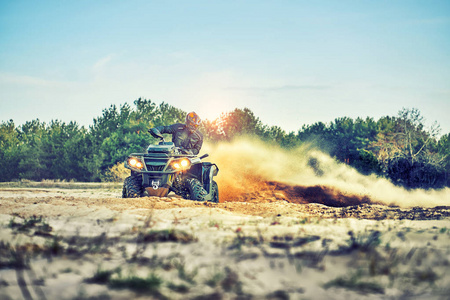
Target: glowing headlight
{"x":185,"y":163}
{"x":135,"y":163}
{"x":181,"y":164}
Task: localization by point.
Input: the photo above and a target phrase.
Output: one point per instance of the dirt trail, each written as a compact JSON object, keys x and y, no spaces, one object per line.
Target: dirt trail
{"x":275,"y":242}
{"x":272,"y":199}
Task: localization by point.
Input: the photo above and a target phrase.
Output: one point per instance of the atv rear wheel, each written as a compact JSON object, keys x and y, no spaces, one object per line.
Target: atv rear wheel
{"x":215,"y":192}
{"x":132,"y":187}
{"x":196,"y":190}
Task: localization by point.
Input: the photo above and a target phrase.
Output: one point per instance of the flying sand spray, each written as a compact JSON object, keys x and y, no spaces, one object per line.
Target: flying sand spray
{"x":247,"y":165}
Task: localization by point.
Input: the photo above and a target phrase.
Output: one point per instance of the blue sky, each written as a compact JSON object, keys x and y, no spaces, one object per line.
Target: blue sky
{"x":290,"y":62}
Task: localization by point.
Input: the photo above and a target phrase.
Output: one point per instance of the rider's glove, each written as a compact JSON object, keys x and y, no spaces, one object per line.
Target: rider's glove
{"x":155,"y":133}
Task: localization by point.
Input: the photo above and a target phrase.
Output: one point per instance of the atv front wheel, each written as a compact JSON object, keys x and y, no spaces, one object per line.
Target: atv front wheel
{"x":132,"y":187}
{"x":196,"y":190}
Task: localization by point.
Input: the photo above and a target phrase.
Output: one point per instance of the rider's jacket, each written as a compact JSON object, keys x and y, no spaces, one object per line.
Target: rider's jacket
{"x":182,"y":137}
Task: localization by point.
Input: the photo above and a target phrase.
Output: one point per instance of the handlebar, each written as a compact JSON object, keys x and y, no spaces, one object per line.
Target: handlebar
{"x":156,"y":134}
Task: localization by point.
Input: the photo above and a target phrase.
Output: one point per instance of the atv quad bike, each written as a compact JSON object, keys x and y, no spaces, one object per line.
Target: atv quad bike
{"x":166,"y":168}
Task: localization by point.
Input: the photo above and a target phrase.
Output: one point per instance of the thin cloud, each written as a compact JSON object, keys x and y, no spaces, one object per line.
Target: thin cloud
{"x":102,"y":62}
{"x":432,"y":21}
{"x":281,"y":88}
{"x":28,"y":81}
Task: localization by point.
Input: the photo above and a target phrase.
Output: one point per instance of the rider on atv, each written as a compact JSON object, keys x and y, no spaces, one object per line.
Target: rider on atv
{"x":173,"y":166}
{"x":185,"y":136}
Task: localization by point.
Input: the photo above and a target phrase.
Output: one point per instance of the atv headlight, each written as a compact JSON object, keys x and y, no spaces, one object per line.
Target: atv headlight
{"x":181,"y":164}
{"x":185,"y":163}
{"x":135,"y":163}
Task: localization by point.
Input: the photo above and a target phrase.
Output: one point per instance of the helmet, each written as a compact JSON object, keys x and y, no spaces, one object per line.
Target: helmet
{"x":193,"y":121}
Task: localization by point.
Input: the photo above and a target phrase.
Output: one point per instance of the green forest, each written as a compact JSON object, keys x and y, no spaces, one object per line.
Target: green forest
{"x":399,"y":148}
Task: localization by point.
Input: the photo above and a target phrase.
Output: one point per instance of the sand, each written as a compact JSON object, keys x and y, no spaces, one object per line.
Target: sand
{"x":91,"y":244}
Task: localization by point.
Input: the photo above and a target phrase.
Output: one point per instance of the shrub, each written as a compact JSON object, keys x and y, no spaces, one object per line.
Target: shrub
{"x":116,"y":173}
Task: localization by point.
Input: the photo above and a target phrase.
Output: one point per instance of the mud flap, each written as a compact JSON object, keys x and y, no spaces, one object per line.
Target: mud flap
{"x":209,"y":171}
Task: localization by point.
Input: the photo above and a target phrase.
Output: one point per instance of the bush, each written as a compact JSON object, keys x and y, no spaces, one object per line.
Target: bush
{"x":367,"y":163}
{"x":416,"y":174}
{"x":116,"y":173}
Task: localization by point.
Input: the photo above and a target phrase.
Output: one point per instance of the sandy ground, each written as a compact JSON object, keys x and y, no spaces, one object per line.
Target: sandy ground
{"x":91,"y":244}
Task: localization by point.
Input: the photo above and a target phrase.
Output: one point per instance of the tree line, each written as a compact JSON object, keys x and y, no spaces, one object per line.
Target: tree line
{"x":399,"y":148}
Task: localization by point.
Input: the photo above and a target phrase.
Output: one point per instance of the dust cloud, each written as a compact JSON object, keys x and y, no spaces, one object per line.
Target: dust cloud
{"x":252,"y":169}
